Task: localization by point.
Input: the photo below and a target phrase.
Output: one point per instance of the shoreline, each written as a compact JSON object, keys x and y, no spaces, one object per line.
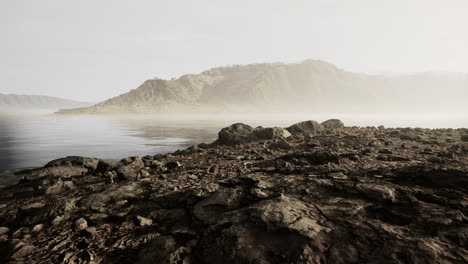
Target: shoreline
{"x":308,"y":193}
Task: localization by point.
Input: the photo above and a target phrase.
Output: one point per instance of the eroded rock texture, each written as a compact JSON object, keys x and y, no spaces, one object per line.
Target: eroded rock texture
{"x":325,"y":194}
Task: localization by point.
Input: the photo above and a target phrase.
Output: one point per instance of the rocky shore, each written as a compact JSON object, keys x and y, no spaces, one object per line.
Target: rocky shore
{"x":309,"y":193}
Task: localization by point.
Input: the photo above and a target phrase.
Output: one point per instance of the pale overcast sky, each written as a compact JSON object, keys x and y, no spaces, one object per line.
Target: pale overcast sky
{"x":92,"y":50}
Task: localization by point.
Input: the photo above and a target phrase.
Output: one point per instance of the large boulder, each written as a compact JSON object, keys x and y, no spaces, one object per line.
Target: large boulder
{"x":235,"y":134}
{"x":305,"y":128}
{"x":332,"y":124}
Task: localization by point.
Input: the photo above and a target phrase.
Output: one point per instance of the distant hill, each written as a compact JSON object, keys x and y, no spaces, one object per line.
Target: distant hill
{"x":312,"y":85}
{"x":31,"y":102}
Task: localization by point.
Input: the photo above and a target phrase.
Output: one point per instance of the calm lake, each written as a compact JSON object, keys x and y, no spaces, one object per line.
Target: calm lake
{"x":31,"y":140}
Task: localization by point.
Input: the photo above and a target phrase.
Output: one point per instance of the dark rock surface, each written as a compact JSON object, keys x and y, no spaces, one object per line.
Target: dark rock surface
{"x":346,"y":195}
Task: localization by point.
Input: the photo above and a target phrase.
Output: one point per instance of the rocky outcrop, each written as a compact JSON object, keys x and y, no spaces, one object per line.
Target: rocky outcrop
{"x":242,"y":133}
{"x":345,"y":195}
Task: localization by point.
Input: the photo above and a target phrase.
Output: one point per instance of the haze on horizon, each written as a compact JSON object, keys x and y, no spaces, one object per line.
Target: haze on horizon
{"x":93,"y":50}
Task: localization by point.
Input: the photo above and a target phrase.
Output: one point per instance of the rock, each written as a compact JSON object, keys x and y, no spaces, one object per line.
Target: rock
{"x":81,"y":224}
{"x":105,"y":165}
{"x":38,"y":228}
{"x":464,"y":138}
{"x":75,"y":161}
{"x":57,"y":171}
{"x":271,"y":133}
{"x":305,"y":128}
{"x":4,"y":230}
{"x":24,"y":251}
{"x":309,"y":198}
{"x":281,"y":230}
{"x":31,"y":214}
{"x":235,"y":134}
{"x":161,"y":250}
{"x":332,"y":124}
{"x":142,"y":221}
{"x":213,"y":169}
{"x":131,"y":170}
{"x":173,"y":165}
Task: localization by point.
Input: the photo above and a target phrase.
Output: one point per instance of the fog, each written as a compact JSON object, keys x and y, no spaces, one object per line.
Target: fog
{"x":94,"y":50}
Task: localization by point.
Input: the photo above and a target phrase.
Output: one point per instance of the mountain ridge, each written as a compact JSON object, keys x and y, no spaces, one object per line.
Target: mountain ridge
{"x":311,"y":85}
{"x":24,"y":101}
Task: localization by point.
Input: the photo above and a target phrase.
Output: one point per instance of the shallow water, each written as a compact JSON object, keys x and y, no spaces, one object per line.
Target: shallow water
{"x":31,"y":140}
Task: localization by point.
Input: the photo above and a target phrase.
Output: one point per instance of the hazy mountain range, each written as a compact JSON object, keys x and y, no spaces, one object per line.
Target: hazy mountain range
{"x":30,"y":102}
{"x":310,"y":86}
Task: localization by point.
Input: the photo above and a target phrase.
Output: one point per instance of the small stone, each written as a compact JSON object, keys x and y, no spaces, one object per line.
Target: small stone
{"x":143,"y":221}
{"x":57,"y":220}
{"x":4,"y":230}
{"x":193,"y":177}
{"x":144,"y":173}
{"x":81,"y":224}
{"x":38,"y":228}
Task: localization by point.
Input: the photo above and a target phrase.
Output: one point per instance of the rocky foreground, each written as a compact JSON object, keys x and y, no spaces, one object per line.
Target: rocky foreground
{"x":311,"y":193}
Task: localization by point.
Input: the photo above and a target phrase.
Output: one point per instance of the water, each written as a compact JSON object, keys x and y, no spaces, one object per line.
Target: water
{"x":31,"y":140}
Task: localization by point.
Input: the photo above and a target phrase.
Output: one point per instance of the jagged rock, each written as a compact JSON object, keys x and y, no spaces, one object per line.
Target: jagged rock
{"x":305,"y":128}
{"x":131,"y":170}
{"x":332,"y":124}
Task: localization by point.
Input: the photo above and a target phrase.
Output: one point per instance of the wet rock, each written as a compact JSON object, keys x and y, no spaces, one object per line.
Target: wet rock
{"x":332,"y":124}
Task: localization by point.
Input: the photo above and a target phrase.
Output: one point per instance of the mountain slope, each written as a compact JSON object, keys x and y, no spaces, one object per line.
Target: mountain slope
{"x":28,"y":102}
{"x":276,"y":87}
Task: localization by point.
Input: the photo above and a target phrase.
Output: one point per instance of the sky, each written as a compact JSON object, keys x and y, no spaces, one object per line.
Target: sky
{"x":92,"y":50}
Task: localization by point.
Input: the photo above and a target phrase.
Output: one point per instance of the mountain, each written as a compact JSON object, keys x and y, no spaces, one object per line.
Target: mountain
{"x":31,"y":102}
{"x":312,"y":85}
